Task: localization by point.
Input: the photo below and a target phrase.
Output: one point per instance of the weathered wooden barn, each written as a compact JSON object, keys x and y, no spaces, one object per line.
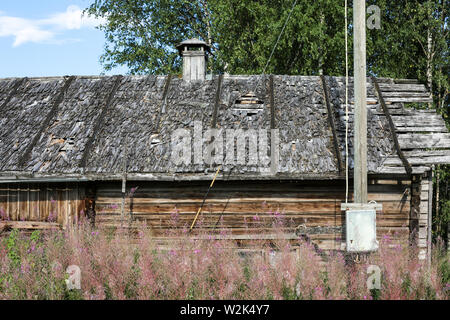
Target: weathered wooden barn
{"x":68,"y":143}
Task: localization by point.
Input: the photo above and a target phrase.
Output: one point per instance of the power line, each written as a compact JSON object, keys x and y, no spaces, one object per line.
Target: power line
{"x":276,"y":43}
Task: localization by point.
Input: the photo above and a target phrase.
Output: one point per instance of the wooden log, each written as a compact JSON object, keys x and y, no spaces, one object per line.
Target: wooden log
{"x":29,"y":225}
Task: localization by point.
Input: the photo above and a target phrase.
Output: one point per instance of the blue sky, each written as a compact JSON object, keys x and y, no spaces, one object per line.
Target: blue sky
{"x":49,"y":38}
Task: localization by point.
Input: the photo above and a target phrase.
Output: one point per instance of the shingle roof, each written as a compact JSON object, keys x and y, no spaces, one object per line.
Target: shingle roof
{"x":84,"y":127}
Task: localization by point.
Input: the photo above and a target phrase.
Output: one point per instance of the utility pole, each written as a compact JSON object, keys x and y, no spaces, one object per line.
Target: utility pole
{"x":360,"y":94}
{"x":360,"y":217}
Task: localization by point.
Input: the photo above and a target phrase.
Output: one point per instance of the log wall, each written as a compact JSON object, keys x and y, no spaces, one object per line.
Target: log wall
{"x":311,"y":208}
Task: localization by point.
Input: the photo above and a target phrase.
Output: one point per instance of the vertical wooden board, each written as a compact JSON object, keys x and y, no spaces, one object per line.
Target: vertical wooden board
{"x":34,"y":202}
{"x":52,"y":207}
{"x":71,"y":205}
{"x":13,"y":202}
{"x":61,"y":205}
{"x":24,"y":204}
{"x":81,"y":194}
{"x":43,"y":210}
{"x":3,"y":201}
{"x":59,"y":197}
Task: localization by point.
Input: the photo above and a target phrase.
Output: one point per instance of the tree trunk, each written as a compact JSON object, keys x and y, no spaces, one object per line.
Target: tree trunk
{"x":208,"y":27}
{"x":430,"y":66}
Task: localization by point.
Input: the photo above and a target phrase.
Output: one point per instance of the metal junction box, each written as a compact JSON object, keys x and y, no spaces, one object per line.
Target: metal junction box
{"x":361,"y":235}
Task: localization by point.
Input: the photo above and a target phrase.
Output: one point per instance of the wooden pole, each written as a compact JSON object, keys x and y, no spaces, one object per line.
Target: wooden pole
{"x":360,"y":92}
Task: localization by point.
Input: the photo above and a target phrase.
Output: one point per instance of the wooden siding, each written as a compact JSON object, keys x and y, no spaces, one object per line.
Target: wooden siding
{"x":36,"y":202}
{"x":311,"y":207}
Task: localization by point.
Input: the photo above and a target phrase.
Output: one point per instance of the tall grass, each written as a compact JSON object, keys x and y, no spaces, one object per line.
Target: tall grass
{"x":118,"y":264}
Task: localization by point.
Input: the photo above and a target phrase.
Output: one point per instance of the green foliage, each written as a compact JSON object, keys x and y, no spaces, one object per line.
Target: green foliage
{"x":142,"y":34}
{"x":444,"y":269}
{"x":13,"y":250}
{"x":73,"y":294}
{"x":312,"y":40}
{"x":375,"y":293}
{"x":287,"y":292}
{"x":131,"y":287}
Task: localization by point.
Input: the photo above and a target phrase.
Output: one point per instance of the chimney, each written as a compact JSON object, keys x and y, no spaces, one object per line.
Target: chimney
{"x":194,"y":56}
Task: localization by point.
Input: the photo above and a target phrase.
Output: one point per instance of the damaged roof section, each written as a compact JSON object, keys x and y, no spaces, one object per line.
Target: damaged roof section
{"x":100,"y":127}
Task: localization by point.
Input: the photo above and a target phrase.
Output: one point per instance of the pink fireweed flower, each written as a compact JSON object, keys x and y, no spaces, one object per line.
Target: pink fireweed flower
{"x":32,"y":247}
{"x":52,"y":216}
{"x":3,"y":215}
{"x":132,"y":191}
{"x":24,"y":267}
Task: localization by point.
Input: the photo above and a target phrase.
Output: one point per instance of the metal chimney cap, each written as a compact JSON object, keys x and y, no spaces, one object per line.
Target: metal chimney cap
{"x":194,"y":42}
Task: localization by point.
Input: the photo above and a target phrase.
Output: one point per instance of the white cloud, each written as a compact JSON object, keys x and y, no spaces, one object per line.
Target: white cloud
{"x":73,"y":18}
{"x":23,"y":30}
{"x":45,"y":30}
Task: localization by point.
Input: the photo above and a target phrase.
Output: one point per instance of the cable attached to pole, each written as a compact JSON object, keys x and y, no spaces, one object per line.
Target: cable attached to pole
{"x":276,"y":43}
{"x":346,"y":103}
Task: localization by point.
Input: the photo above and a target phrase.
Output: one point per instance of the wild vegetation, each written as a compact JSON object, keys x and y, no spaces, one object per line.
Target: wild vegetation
{"x":119,"y":264}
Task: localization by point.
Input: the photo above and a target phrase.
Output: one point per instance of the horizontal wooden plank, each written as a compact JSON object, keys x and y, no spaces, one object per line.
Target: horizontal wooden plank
{"x":422,"y":129}
{"x":405,"y":94}
{"x":29,"y":225}
{"x":422,"y":141}
{"x":426,"y":153}
{"x":423,"y":207}
{"x":406,"y":81}
{"x":384,"y":87}
{"x":419,"y":160}
{"x":401,"y":170}
{"x":424,"y":195}
{"x":417,"y":119}
{"x":409,"y":99}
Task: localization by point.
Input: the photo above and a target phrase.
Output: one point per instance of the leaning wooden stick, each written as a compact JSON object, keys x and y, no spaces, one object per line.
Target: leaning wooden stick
{"x":204,"y":198}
